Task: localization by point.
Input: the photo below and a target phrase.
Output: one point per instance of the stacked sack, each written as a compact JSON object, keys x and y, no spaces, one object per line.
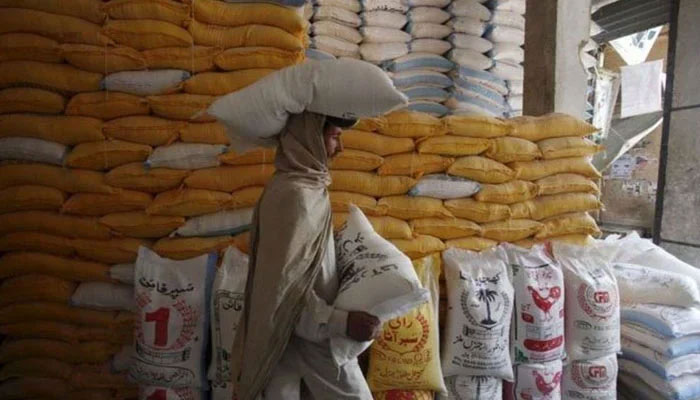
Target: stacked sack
{"x":382,"y":37}
{"x":420,"y":74}
{"x":103,"y":151}
{"x":506,"y":32}
{"x":335,"y":27}
{"x":476,"y":91}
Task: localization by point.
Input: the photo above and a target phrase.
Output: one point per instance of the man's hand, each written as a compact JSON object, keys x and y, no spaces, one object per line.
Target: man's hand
{"x":362,"y":326}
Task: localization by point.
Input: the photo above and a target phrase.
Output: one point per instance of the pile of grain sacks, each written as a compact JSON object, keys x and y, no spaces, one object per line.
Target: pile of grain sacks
{"x":102,"y":153}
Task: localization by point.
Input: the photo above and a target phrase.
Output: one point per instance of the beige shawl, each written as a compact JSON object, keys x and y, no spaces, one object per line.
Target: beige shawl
{"x":291,"y":229}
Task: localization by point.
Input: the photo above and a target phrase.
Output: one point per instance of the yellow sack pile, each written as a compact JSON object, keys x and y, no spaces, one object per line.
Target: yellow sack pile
{"x":406,"y":356}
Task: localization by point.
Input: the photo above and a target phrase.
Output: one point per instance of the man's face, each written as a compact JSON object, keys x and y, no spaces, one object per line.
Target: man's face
{"x":331,"y":138}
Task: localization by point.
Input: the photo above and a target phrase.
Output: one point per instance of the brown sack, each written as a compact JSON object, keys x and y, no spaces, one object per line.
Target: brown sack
{"x":106,"y":154}
{"x":445,"y":228}
{"x":376,"y":143}
{"x":509,"y":149}
{"x":356,"y":160}
{"x":67,"y":332}
{"x":29,"y":47}
{"x":184,"y":248}
{"x":481,"y":169}
{"x":24,"y":263}
{"x":370,"y":184}
{"x":135,"y":176}
{"x":147,"y":130}
{"x":507,"y":193}
{"x":534,"y":170}
{"x":415,"y":165}
{"x":194,"y":59}
{"x":52,"y":223}
{"x":98,"y":204}
{"x":340,"y":202}
{"x":138,"y":224}
{"x":453,"y":146}
{"x":476,"y":126}
{"x":30,"y":100}
{"x":30,"y":198}
{"x":478,"y":211}
{"x":228,"y":179}
{"x":36,"y":241}
{"x":36,"y":368}
{"x":27,"y":288}
{"x":408,"y":207}
{"x":107,"y":105}
{"x":67,"y":180}
{"x":102,"y":59}
{"x":38,"y":388}
{"x":54,"y":128}
{"x":549,"y":126}
{"x":188,"y":202}
{"x":510,"y":230}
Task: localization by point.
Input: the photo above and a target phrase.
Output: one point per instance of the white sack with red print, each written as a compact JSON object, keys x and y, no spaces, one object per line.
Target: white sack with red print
{"x":480,"y":307}
{"x":171,"y":333}
{"x":537,"y":332}
{"x":164,"y":393}
{"x":536,"y":382}
{"x":592,"y":301}
{"x":473,"y":388}
{"x":591,"y":379}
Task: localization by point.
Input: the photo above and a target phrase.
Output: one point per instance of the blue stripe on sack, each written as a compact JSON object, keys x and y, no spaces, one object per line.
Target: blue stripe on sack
{"x":427,"y":78}
{"x":482,"y":92}
{"x":647,"y":363}
{"x":428,"y":107}
{"x":431,"y":93}
{"x":487,"y":77}
{"x":421,"y":62}
{"x":496,"y":110}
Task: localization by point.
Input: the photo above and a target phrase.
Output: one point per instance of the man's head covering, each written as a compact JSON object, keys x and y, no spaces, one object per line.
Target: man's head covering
{"x":341,"y":123}
{"x":289,"y":240}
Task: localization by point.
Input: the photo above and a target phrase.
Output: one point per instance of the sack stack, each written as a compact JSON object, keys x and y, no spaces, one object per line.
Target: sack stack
{"x":382,"y":37}
{"x":335,"y":27}
{"x":103,"y":151}
{"x":507,"y":33}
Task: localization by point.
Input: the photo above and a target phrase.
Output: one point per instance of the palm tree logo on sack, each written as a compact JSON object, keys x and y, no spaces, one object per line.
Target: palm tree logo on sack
{"x":485,"y":304}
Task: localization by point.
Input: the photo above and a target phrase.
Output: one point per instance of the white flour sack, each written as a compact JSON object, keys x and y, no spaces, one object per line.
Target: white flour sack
{"x":229,"y":222}
{"x":445,"y":187}
{"x":31,"y":149}
{"x":640,"y":284}
{"x":145,"y":83}
{"x":375,"y":277}
{"x":684,"y":388}
{"x":340,"y":88}
{"x":662,"y":365}
{"x":665,"y":320}
{"x":536,"y":382}
{"x":122,"y":273}
{"x":537,"y":332}
{"x":473,"y":388}
{"x":480,"y":307}
{"x":186,"y":156}
{"x":668,"y":346}
{"x":226,"y":309}
{"x":164,"y":393}
{"x":592,"y":302}
{"x":104,"y":296}
{"x":173,"y":317}
{"x":591,"y":380}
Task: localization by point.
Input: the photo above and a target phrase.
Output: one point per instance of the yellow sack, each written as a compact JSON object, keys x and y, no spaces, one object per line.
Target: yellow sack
{"x":370,"y":124}
{"x":71,"y":181}
{"x":251,"y":157}
{"x":63,"y":28}
{"x":28,"y":288}
{"x":568,"y":147}
{"x":245,"y":198}
{"x":138,"y":224}
{"x":412,"y":124}
{"x":476,"y":126}
{"x":576,"y":239}
{"x":106,"y":154}
{"x":228,"y":179}
{"x":478,"y":211}
{"x":534,"y":170}
{"x":244,"y":36}
{"x":568,"y":224}
{"x":507,"y":193}
{"x":29,"y":47}
{"x":221,"y":83}
{"x":453,"y":146}
{"x":509,"y":149}
{"x":86,"y":9}
{"x":35,"y":387}
{"x":152,"y":131}
{"x":98,"y":204}
{"x":36,"y":241}
{"x":510,"y":230}
{"x":406,"y":355}
{"x":409,"y":207}
{"x":376,"y":143}
{"x":162,"y":10}
{"x":242,"y":242}
{"x":65,"y":332}
{"x":54,"y":128}
{"x":184,"y":248}
{"x":86,"y":352}
{"x":386,"y":227}
{"x":471,"y":243}
{"x":481,"y":169}
{"x":96,"y":377}
{"x":566,"y":183}
{"x":419,"y":246}
{"x":257,"y":57}
{"x":207,"y":132}
{"x":24,"y":263}
{"x":413,"y":164}
{"x":36,"y":367}
{"x":188,"y":202}
{"x":107,"y":105}
{"x":445,"y":228}
{"x":549,"y":206}
{"x":30,"y":197}
{"x":237,"y":14}
{"x":549,"y":126}
{"x":356,"y":160}
{"x":60,"y":77}
{"x":404,"y":395}
{"x":340,"y":202}
{"x":30,"y":100}
{"x":103,"y":59}
{"x":112,"y":251}
{"x":145,"y":34}
{"x":194,"y":59}
{"x":136,"y":176}
{"x":181,"y":106}
{"x":52,"y":223}
{"x":370,"y":184}
{"x":44,"y":311}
